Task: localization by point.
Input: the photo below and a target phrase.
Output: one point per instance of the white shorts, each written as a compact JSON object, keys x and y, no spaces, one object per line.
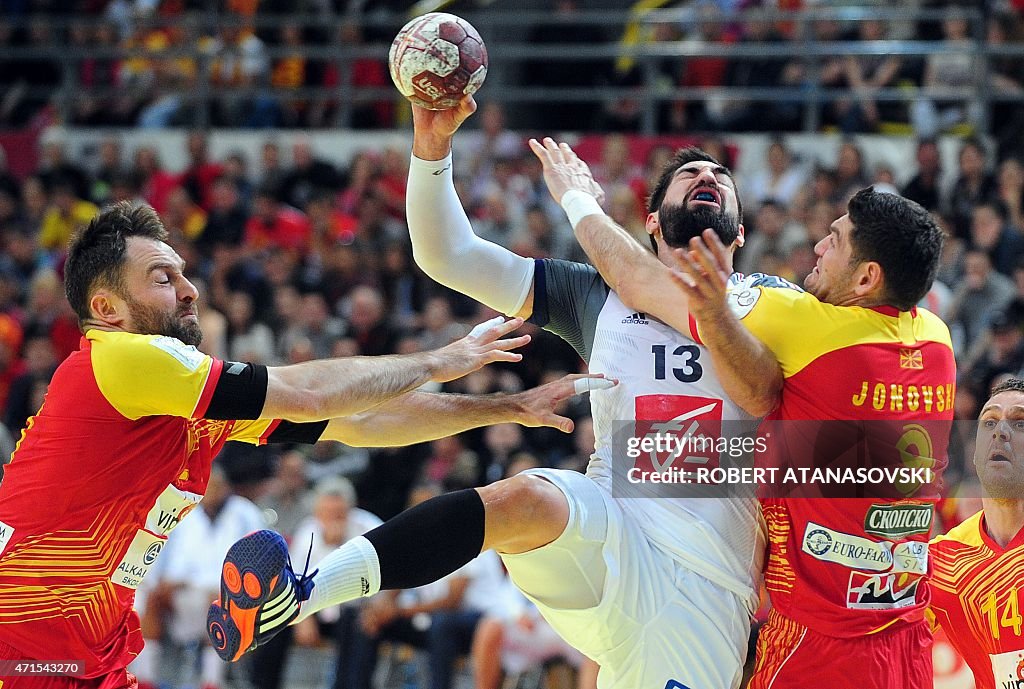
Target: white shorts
{"x":647,"y":620}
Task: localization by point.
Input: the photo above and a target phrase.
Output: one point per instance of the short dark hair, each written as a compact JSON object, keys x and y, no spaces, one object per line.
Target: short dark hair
{"x":902,"y":237}
{"x":96,"y":256}
{"x":683,"y":156}
{"x":1008,"y":385}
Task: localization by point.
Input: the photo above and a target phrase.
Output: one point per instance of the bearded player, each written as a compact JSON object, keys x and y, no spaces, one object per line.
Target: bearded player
{"x":977,"y":576}
{"x":121,"y":449}
{"x":659,"y":591}
{"x":847,"y":577}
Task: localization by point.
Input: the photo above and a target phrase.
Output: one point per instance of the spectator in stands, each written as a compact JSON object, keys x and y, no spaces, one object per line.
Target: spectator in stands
{"x":758,"y":72}
{"x":483,"y":146}
{"x":863,"y":75}
{"x":952,"y":67}
{"x":319,"y":326}
{"x":23,"y":399}
{"x":1006,"y":119}
{"x":771,"y":233}
{"x":335,"y":520}
{"x":981,"y":294}
{"x":236,"y":168}
{"x":35,"y":202}
{"x":56,"y":167}
{"x":248,"y":338}
{"x":780,"y":179}
{"x":924,"y":187}
{"x":288,"y":500}
{"x":404,"y":288}
{"x":377,"y":228}
{"x":708,"y":28}
{"x":451,"y":465}
{"x":515,"y":640}
{"x":973,"y":185}
{"x":496,"y":221}
{"x":439,"y":325}
{"x":623,"y":207}
{"x":992,"y":233}
{"x":109,"y":168}
{"x":851,"y":172}
{"x":563,"y":27}
{"x":363,"y":72}
{"x":308,"y":177}
{"x":154,"y":182}
{"x":225,"y":223}
{"x":1010,"y":182}
{"x":274,"y":225}
{"x":502,"y":442}
{"x":538,"y":237}
{"x":290,"y":72}
{"x":272,"y":172}
{"x":67,"y":213}
{"x":188,"y":578}
{"x":366,"y":316}
{"x":240,"y":62}
{"x":999,"y":350}
{"x":183,"y":216}
{"x":440,"y":617}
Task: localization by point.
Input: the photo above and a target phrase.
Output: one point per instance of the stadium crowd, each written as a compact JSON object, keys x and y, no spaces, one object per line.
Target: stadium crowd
{"x":144,"y":62}
{"x":298,"y":258}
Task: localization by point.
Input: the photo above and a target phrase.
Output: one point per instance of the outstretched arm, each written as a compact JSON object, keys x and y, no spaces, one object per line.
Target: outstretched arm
{"x":642,"y":281}
{"x":331,"y":388}
{"x":443,"y":242}
{"x":748,"y":370}
{"x":421,"y":416}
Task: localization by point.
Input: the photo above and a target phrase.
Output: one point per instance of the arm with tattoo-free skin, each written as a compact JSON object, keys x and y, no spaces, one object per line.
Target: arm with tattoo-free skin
{"x":422,"y":416}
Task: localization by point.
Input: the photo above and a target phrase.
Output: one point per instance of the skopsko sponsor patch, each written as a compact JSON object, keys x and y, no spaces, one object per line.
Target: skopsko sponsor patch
{"x":898,"y":521}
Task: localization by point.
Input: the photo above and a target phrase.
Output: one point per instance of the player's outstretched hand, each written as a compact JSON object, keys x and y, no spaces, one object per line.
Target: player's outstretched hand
{"x":442,"y":123}
{"x":538,"y":404}
{"x":563,"y":170}
{"x":482,"y":346}
{"x":703,"y":274}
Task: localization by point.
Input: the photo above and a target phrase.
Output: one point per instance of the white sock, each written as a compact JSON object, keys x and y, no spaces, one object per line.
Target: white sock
{"x":352,"y":571}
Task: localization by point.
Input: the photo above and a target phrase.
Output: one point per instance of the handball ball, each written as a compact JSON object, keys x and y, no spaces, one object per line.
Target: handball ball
{"x":437,"y":59}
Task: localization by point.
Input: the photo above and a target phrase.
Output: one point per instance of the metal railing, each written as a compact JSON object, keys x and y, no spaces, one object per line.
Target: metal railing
{"x":511,"y":58}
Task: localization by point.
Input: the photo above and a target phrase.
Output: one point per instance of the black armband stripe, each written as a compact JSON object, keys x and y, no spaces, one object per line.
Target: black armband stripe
{"x":302,"y":433}
{"x":540,"y":316}
{"x":240,"y":393}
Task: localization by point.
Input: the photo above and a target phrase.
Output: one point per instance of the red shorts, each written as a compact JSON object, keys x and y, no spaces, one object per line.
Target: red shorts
{"x":791,"y":656}
{"x":118,"y":679}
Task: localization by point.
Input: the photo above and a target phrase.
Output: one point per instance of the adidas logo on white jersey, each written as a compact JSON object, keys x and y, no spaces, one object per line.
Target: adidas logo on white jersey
{"x":638,"y":318}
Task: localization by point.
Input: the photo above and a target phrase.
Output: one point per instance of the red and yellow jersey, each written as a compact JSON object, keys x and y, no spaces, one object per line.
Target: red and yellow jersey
{"x":116,"y":456}
{"x":850,"y":566}
{"x":978,"y":599}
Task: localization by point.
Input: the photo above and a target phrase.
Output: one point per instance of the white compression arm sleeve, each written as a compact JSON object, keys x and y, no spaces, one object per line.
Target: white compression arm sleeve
{"x":445,"y":247}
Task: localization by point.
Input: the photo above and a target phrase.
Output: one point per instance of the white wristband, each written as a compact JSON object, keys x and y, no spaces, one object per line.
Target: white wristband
{"x":578,"y":205}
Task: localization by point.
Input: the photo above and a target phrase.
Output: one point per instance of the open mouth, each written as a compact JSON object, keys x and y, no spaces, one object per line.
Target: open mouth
{"x":999,"y":456}
{"x":707,"y":195}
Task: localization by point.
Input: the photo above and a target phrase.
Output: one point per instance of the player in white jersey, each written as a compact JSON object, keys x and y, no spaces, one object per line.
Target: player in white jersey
{"x":658,"y":590}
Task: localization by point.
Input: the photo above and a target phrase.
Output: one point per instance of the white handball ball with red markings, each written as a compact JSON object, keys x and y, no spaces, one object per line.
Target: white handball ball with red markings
{"x":438,"y":59}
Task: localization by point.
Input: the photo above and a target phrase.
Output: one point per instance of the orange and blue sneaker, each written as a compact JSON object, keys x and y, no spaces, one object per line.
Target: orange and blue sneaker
{"x":260,"y":595}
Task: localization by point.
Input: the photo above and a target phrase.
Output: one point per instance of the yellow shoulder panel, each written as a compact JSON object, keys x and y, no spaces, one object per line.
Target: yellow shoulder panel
{"x":799,"y":328}
{"x":967,"y":532}
{"x":148,"y":375}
